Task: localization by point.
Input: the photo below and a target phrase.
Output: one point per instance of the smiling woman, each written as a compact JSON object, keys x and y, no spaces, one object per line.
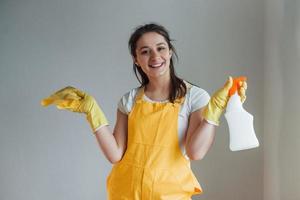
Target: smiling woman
{"x":150,"y":46}
{"x":153,"y":55}
{"x":161,"y":125}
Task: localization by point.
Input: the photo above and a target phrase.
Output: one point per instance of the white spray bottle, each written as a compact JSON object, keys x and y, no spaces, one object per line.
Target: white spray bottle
{"x":240,"y":122}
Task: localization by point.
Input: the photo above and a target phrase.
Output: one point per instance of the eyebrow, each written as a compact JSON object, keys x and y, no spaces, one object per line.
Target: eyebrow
{"x":161,"y":43}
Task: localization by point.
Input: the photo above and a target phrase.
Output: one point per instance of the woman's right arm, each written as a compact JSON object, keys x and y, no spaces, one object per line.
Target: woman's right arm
{"x":75,"y":100}
{"x":113,"y":145}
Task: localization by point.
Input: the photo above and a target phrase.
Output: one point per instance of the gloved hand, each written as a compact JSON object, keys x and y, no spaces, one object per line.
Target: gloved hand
{"x":72,"y":99}
{"x":218,"y":102}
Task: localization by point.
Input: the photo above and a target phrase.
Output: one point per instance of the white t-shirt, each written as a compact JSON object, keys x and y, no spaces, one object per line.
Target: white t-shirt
{"x":195,"y":99}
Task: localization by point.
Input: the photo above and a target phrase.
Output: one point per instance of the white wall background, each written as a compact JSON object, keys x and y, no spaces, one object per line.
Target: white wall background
{"x":46,"y":45}
{"x":281,"y":120}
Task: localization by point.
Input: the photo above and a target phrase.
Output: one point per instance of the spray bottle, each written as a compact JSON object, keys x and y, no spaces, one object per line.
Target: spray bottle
{"x":240,"y":122}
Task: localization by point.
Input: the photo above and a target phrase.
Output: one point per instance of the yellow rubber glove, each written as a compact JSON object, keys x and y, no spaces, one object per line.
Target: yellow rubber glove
{"x":242,"y":91}
{"x":70,"y":98}
{"x":218,"y":102}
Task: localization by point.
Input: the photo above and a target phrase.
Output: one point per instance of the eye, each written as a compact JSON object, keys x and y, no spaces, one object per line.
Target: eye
{"x":144,"y":52}
{"x":161,"y":48}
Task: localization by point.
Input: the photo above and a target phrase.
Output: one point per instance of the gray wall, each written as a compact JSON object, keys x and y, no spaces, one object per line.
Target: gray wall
{"x":46,"y":45}
{"x":281,"y":103}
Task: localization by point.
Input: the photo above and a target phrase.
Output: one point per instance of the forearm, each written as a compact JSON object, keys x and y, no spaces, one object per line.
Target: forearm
{"x":108,"y":144}
{"x":75,"y":100}
{"x":200,"y":141}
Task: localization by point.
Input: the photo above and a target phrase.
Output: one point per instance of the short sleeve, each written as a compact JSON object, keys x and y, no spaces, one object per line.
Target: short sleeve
{"x":121,"y":105}
{"x":126,"y":101}
{"x":199,"y":98}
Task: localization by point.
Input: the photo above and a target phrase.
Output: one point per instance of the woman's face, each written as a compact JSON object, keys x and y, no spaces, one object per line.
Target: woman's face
{"x":153,"y":55}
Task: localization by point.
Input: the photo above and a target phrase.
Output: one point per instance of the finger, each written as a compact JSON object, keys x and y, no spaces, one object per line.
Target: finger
{"x":242,"y":91}
{"x":243,"y":98}
{"x":63,"y":92}
{"x":243,"y":84}
{"x":243,"y":88}
{"x":67,"y":94}
{"x":71,"y":105}
{"x":56,"y":95}
{"x":242,"y":94}
{"x":47,"y":101}
{"x":60,"y":107}
{"x":55,"y":98}
{"x":80,"y":93}
{"x":228,"y":83}
{"x":72,"y":96}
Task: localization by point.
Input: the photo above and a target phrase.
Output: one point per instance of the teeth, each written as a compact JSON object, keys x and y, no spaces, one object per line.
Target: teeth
{"x":156,"y":65}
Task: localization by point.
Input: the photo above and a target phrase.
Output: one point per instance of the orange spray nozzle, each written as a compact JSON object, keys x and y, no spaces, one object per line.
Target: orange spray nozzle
{"x":236,"y":85}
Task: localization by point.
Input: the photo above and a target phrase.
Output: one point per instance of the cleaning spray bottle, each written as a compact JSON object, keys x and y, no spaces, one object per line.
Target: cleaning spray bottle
{"x":240,"y":122}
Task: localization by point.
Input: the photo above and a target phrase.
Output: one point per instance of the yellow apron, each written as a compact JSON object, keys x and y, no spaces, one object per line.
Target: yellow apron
{"x":153,"y":167}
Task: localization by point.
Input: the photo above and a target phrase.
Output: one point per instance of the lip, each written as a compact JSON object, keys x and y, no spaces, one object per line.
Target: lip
{"x":161,"y":64}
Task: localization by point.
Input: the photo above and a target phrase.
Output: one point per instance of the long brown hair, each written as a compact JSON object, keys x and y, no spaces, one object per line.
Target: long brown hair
{"x":178,"y":87}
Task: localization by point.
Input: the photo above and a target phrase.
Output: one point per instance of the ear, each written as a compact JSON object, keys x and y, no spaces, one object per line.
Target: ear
{"x":135,"y":61}
{"x":171,"y":52}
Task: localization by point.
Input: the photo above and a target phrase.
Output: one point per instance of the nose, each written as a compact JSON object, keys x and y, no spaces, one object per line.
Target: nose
{"x":154,"y":54}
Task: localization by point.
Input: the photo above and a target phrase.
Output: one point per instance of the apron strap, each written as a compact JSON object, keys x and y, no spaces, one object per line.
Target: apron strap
{"x":140,"y":93}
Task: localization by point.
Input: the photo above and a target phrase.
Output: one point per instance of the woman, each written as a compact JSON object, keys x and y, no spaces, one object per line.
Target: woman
{"x":160,"y":127}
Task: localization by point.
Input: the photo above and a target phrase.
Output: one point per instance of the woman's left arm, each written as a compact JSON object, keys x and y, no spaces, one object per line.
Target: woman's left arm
{"x":200,"y":136}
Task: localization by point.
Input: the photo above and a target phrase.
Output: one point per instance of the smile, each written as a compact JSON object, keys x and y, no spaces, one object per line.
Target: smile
{"x":156,"y":65}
